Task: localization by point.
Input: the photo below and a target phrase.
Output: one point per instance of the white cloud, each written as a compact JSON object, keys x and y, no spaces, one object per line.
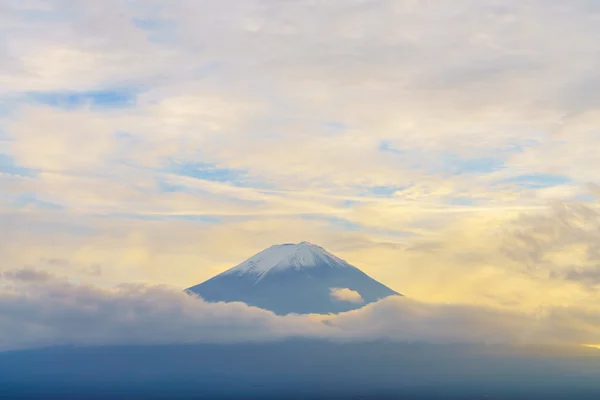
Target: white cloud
{"x":59,"y":312}
{"x":469,"y":78}
{"x":345,"y":294}
{"x":53,"y":311}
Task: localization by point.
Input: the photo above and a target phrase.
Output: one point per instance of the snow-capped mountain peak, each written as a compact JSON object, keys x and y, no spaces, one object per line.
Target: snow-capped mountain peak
{"x":300,"y":278}
{"x":284,"y":256}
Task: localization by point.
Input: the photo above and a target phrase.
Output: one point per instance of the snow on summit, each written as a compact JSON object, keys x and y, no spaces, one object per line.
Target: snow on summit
{"x":283,"y":256}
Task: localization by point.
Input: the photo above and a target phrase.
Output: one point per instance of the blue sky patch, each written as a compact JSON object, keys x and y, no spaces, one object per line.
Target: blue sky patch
{"x":166,"y":187}
{"x":163,"y":217}
{"x":387,"y":146}
{"x":8,"y":166}
{"x":349,"y":203}
{"x":213,"y":219}
{"x":538,"y":181}
{"x":208,"y":172}
{"x":6,"y":106}
{"x":123,"y":135}
{"x":158,"y":30}
{"x":446,"y":163}
{"x":30,"y":199}
{"x":334,"y":221}
{"x":453,"y":164}
{"x":212,"y":172}
{"x":96,"y":99}
{"x":383,"y":191}
{"x":342,"y":223}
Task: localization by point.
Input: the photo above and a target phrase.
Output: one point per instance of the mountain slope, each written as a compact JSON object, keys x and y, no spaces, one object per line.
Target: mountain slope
{"x":295,"y":278}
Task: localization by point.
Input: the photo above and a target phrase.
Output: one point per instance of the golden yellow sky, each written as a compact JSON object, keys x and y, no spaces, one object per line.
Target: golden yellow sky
{"x":447,"y":149}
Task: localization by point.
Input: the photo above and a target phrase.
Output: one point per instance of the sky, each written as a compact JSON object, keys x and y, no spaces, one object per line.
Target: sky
{"x":445,"y":148}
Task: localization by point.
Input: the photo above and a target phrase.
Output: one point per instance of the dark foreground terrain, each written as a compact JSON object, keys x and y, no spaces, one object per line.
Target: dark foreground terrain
{"x":300,"y":369}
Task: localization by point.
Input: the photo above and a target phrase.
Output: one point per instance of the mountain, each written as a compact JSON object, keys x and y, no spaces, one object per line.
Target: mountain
{"x":298,"y":278}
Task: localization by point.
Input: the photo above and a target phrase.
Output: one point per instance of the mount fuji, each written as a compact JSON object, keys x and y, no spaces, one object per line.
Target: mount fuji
{"x":298,"y":278}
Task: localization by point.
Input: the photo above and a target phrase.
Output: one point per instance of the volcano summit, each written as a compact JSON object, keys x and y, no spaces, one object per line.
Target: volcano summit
{"x":294,"y":278}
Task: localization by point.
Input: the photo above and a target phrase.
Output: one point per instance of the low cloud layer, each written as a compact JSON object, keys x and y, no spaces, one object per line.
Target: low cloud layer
{"x":37,"y":313}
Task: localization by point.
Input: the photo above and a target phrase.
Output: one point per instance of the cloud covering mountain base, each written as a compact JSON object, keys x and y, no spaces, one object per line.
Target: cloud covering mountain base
{"x":39,"y":309}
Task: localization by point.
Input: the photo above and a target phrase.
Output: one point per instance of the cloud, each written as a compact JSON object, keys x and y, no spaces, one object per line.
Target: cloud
{"x":37,"y":313}
{"x":28,"y":275}
{"x":562,"y":242}
{"x":206,"y":93}
{"x":57,"y":312}
{"x":589,"y":276}
{"x":345,"y":294}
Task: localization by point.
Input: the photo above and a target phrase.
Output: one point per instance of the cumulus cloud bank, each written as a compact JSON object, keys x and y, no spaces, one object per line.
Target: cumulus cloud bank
{"x":54,"y":311}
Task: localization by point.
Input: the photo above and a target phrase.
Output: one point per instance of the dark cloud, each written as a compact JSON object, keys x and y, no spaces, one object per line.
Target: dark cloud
{"x":95,"y":270}
{"x":589,"y":276}
{"x":532,"y":239}
{"x":56,"y":261}
{"x":28,"y":275}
